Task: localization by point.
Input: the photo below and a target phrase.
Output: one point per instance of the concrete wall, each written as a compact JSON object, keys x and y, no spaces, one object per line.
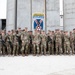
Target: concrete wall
{"x":69,"y":14}
{"x":38,"y":6}
{"x":53,"y":14}
{"x":26,"y":9}
{"x":24,"y":14}
{"x":10,"y":15}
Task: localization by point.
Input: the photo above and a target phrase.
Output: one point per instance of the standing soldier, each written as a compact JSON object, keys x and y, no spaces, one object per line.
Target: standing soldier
{"x":72,"y":42}
{"x":19,"y":40}
{"x":66,"y":43}
{"x":25,"y":41}
{"x":31,"y":37}
{"x":3,"y":43}
{"x":62,"y":35}
{"x":49,"y":41}
{"x":58,"y":41}
{"x":36,"y":42}
{"x":53,"y":42}
{"x":74,"y":38}
{"x":0,"y":43}
{"x":9,"y":44}
{"x":43,"y":42}
{"x":16,"y":43}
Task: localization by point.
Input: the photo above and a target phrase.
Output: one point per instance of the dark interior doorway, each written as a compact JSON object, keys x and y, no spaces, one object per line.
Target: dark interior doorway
{"x":3,"y":24}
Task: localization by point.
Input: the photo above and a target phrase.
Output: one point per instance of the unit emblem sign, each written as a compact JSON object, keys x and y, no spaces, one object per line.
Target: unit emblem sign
{"x":38,"y":21}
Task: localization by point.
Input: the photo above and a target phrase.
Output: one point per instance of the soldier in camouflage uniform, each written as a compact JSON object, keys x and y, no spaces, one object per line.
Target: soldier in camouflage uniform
{"x":19,"y":40}
{"x":16,"y":43}
{"x":31,"y":37}
{"x":58,"y":41}
{"x":49,"y":41}
{"x":74,"y":38}
{"x":62,"y":36}
{"x":72,"y":42}
{"x":67,"y":47}
{"x":3,"y":43}
{"x":9,"y":40}
{"x":0,"y":43}
{"x":36,"y":42}
{"x":43,"y":42}
{"x":53,"y":42}
{"x":25,"y":41}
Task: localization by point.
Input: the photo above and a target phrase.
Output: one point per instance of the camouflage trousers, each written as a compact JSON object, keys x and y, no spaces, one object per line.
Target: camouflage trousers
{"x":50,"y":48}
{"x":36,"y":48}
{"x":67,"y":47}
{"x":15,"y":48}
{"x":58,"y":47}
{"x":3,"y":49}
{"x":25,"y":47}
{"x":43,"y":48}
{"x":9,"y":49}
{"x":0,"y":48}
{"x":72,"y":47}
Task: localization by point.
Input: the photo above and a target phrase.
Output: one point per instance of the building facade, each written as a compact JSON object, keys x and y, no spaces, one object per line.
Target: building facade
{"x":69,"y":14}
{"x":44,"y":13}
{"x":32,"y":13}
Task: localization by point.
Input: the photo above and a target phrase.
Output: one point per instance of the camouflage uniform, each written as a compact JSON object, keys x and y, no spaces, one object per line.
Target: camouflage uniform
{"x":36,"y":43}
{"x":58,"y":41}
{"x":16,"y":44}
{"x":0,"y":44}
{"x":3,"y":43}
{"x":72,"y":42}
{"x":49,"y":41}
{"x":31,"y":37}
{"x":62,"y":36}
{"x":74,"y":39}
{"x":66,"y":43}
{"x":9,"y":40}
{"x":43,"y":42}
{"x":25,"y":42}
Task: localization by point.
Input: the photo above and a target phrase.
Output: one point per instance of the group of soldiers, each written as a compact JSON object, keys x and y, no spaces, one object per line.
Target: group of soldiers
{"x":24,"y":42}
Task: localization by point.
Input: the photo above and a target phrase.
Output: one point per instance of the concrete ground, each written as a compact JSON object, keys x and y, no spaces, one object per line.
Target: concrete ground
{"x":34,"y":65}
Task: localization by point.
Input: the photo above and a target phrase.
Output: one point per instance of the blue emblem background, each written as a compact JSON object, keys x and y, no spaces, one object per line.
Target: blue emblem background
{"x":38,"y":21}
